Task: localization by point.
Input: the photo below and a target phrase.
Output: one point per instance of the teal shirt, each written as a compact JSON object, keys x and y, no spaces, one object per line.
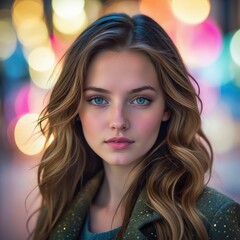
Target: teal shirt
{"x":222,"y":216}
{"x":88,"y":235}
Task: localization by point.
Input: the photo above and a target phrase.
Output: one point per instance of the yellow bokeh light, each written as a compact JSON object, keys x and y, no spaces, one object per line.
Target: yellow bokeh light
{"x":70,"y":26}
{"x":67,"y":9}
{"x":235,"y":47}
{"x":92,"y":9}
{"x":32,"y":33}
{"x":27,"y":135}
{"x":8,"y":40}
{"x":191,"y":12}
{"x":41,"y":58}
{"x":42,"y":79}
{"x":41,"y":64}
{"x":27,"y":10}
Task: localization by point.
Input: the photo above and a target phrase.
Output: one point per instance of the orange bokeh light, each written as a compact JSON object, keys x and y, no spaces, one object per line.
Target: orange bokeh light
{"x":159,"y":10}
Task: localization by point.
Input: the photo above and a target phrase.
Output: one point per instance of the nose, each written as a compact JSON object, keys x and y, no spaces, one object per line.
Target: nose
{"x":119,"y":119}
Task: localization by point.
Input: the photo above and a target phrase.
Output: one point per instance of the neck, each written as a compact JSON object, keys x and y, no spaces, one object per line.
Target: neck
{"x":117,"y":180}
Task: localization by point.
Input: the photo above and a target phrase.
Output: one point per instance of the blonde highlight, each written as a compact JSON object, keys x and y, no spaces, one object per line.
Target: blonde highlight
{"x":175,"y":167}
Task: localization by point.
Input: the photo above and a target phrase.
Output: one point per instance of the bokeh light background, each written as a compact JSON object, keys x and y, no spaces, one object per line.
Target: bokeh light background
{"x":34,"y":34}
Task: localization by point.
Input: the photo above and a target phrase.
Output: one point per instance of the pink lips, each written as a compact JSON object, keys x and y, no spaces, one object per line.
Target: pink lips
{"x":119,"y":143}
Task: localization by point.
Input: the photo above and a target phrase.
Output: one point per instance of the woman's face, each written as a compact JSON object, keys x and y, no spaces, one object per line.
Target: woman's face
{"x":122,"y":108}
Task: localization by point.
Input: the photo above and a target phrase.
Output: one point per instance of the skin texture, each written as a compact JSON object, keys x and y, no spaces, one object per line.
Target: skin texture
{"x":113,"y":108}
{"x":119,"y":112}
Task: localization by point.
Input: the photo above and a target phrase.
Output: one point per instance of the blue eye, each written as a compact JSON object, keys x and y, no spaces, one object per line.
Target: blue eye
{"x":98,"y":101}
{"x":141,"y":101}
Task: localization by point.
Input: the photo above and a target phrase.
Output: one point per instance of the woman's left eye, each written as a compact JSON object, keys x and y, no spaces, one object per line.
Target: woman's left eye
{"x":141,"y":101}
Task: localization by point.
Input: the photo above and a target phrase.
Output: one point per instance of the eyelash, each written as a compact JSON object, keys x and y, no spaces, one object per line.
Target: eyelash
{"x":145,"y":99}
{"x":90,"y":100}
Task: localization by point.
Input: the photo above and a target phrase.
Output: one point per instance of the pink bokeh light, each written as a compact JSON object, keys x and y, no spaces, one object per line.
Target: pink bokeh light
{"x":21,"y":101}
{"x":200,"y":45}
{"x":209,"y":95}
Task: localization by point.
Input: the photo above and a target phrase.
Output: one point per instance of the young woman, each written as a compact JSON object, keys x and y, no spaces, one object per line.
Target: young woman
{"x":129,"y":159}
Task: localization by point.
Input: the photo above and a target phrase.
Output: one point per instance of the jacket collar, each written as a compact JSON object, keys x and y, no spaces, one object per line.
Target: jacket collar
{"x":142,"y":215}
{"x":72,"y":221}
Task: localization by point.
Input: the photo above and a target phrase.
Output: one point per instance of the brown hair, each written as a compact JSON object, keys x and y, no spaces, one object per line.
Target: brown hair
{"x":176,"y":165}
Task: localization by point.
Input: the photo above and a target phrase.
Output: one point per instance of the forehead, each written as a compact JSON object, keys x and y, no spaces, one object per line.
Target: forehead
{"x":121,"y":67}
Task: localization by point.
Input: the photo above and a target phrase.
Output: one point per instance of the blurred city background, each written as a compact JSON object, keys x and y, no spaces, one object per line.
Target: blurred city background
{"x":34,"y":34}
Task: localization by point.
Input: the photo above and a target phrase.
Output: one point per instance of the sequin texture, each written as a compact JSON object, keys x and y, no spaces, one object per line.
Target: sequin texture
{"x":221,"y":216}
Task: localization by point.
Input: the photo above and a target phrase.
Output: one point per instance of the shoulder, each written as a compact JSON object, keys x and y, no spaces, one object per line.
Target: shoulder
{"x":221,"y":214}
{"x":213,"y":200}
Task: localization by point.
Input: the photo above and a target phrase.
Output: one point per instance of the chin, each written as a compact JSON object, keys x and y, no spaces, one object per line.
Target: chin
{"x":121,"y":162}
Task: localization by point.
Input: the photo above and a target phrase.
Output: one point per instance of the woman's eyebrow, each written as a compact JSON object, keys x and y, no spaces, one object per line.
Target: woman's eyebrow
{"x":135,"y":90}
{"x":140,"y":89}
{"x":96,"y":89}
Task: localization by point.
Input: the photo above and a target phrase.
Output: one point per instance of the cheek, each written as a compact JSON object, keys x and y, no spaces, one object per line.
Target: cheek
{"x":150,"y":125}
{"x":86,"y":121}
{"x":90,"y":122}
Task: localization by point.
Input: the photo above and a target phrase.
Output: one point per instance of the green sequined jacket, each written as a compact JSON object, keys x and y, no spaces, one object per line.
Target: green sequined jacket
{"x":222,"y":214}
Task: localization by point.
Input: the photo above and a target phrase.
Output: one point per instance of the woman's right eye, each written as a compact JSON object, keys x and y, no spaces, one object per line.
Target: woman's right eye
{"x":97,"y":101}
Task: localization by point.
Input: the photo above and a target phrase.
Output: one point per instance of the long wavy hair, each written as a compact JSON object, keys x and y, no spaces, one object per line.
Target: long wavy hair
{"x":177,"y":164}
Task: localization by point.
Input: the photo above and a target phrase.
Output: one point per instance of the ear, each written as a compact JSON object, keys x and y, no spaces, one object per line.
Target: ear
{"x":166,"y":116}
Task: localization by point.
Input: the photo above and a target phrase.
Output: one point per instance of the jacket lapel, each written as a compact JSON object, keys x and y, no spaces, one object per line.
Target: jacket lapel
{"x":141,"y":216}
{"x":70,"y":224}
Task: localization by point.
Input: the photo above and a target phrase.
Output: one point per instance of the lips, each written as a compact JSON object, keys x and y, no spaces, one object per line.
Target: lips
{"x":119,"y":143}
{"x":119,"y":140}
